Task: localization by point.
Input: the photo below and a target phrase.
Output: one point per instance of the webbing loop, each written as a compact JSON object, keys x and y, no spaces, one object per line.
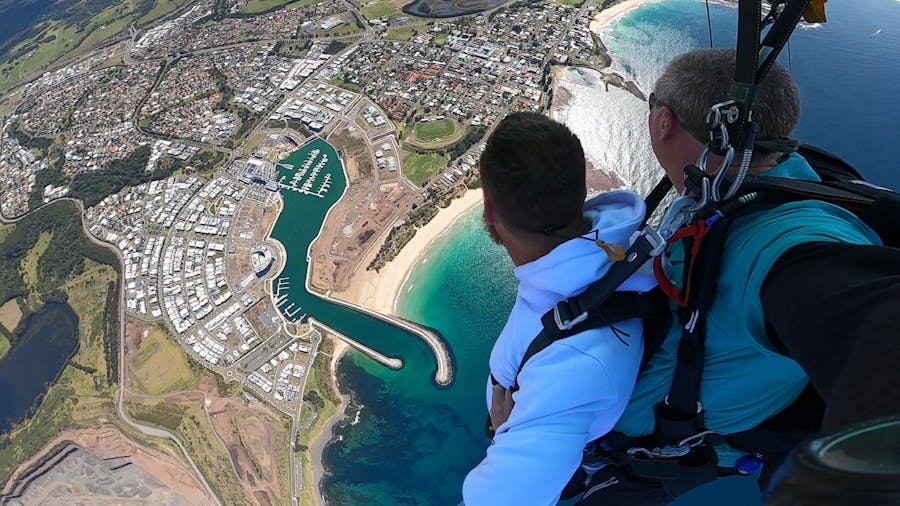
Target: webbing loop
{"x":696,"y":233}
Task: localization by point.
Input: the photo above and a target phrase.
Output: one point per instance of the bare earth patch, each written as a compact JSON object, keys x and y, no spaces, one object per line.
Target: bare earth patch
{"x":134,"y":471}
{"x":10,"y":315}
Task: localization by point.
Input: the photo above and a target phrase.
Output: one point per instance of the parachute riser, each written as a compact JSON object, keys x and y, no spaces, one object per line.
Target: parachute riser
{"x":730,"y":123}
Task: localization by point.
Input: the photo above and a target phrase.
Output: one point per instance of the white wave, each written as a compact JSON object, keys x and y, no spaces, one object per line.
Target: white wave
{"x":612,"y":128}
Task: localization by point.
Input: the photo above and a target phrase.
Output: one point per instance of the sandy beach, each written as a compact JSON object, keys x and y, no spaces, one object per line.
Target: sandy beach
{"x":606,"y":16}
{"x":379,"y":291}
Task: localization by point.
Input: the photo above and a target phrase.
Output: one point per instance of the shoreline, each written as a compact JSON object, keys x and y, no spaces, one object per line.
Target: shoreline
{"x":605,"y":17}
{"x":380,"y":292}
{"x":317,"y":448}
{"x":377,"y":295}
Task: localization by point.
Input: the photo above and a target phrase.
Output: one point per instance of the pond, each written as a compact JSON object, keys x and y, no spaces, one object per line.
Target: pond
{"x":44,"y":344}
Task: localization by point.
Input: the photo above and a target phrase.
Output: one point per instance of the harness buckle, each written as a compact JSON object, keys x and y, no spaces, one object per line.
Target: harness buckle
{"x":675,"y":451}
{"x":655,"y":239}
{"x":567,"y":323}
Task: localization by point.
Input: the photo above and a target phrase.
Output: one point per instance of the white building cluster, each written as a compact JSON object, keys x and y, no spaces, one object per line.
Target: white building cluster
{"x":315,"y":104}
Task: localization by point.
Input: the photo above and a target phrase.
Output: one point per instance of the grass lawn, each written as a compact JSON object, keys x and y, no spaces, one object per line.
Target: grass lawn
{"x":257,"y":6}
{"x":340,"y":83}
{"x":380,"y":10}
{"x":161,"y":8}
{"x":344,"y":29}
{"x":440,"y":39}
{"x":29,"y":264}
{"x":159,"y":366}
{"x":431,"y":130}
{"x":301,"y":3}
{"x":401,"y":34}
{"x":420,"y":168}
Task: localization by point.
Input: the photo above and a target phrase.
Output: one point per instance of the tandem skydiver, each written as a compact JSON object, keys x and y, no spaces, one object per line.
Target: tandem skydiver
{"x":571,"y":391}
{"x":804,"y":293}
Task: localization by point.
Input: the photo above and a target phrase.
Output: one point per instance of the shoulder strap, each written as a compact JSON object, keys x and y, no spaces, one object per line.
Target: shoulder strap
{"x":650,"y":306}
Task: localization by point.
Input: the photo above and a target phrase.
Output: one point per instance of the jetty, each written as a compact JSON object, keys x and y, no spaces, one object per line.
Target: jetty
{"x":393,"y":363}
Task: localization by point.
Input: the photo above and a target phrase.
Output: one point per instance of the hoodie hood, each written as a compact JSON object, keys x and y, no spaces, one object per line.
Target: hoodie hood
{"x":573,"y":265}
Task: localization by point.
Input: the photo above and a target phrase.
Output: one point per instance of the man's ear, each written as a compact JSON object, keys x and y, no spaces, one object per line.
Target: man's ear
{"x":663,"y":122}
{"x":666,"y":122}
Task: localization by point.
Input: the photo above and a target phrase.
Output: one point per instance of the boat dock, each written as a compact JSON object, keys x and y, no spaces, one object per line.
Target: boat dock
{"x":304,"y":178}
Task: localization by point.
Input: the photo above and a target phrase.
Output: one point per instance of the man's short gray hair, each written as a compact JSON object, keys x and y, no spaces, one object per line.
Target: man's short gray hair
{"x":697,"y":80}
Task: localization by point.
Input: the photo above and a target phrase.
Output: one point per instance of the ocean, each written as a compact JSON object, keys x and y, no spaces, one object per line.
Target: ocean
{"x":414,"y":443}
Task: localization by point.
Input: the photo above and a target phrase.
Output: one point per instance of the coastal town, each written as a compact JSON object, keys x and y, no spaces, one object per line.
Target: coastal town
{"x":185,"y":139}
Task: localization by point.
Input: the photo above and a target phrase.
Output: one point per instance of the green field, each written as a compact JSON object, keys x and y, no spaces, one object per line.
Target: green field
{"x":440,"y":39}
{"x":401,"y":34}
{"x":258,"y":6}
{"x":162,"y":8}
{"x":4,"y":345}
{"x":190,"y":423}
{"x":340,"y":83}
{"x":301,"y":3}
{"x":420,"y":168}
{"x":313,"y":419}
{"x":159,"y":366}
{"x":384,"y":9}
{"x":5,"y":230}
{"x":29,"y":264}
{"x":432,"y":130}
{"x":570,"y":3}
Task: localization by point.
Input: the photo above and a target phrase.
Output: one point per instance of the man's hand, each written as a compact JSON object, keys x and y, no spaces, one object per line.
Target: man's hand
{"x":502,"y":405}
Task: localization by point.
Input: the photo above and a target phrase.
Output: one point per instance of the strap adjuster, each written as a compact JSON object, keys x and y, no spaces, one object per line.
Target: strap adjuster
{"x":655,"y":239}
{"x":568,"y":322}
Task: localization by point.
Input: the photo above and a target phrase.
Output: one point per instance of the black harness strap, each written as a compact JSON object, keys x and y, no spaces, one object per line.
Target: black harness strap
{"x":652,"y":307}
{"x":571,"y":311}
{"x":617,"y":307}
{"x":656,"y":196}
{"x":749,"y":72}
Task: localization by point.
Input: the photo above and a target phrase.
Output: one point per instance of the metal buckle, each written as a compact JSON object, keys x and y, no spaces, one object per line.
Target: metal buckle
{"x":678,"y":215}
{"x":673,"y":451}
{"x":655,"y":239}
{"x":568,"y":324}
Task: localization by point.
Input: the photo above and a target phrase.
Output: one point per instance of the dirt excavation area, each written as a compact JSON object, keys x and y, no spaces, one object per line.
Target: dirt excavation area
{"x":103,"y":467}
{"x":256,"y":439}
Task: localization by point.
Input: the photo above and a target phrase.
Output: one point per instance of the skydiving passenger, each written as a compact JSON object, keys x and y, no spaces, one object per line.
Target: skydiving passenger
{"x":574,"y":390}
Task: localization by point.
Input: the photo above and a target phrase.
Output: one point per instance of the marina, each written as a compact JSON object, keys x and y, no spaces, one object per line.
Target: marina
{"x":303,"y":179}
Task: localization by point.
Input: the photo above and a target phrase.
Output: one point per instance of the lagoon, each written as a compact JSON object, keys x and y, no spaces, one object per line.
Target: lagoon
{"x":46,"y":342}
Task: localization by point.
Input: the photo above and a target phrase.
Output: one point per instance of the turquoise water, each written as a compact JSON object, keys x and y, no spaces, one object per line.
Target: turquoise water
{"x":414,"y":442}
{"x":846,"y":70}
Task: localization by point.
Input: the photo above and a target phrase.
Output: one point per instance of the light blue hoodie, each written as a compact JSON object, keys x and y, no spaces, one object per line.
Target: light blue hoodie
{"x":573,"y":391}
